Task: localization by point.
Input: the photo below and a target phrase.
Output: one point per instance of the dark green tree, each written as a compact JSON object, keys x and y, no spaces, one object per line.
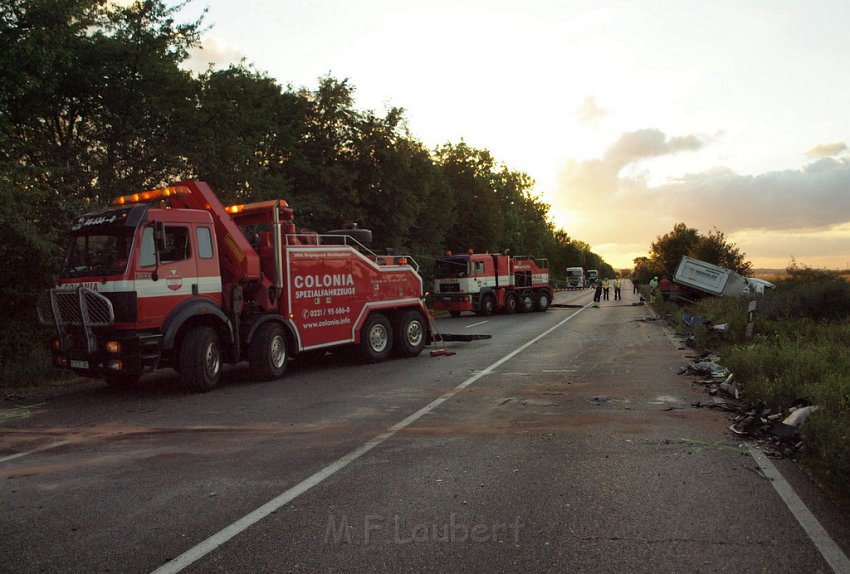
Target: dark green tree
{"x":715,"y":248}
{"x":247,"y":132}
{"x":667,"y":250}
{"x":479,"y":221}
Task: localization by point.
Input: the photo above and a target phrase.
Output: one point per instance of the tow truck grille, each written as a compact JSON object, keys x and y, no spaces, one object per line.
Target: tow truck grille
{"x":450,"y":288}
{"x":75,"y":307}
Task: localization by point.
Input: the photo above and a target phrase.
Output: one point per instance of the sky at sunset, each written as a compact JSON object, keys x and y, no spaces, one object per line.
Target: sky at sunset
{"x":631,"y":116}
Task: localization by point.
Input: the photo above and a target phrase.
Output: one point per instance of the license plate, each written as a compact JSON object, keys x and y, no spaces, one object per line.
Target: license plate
{"x":79,"y":364}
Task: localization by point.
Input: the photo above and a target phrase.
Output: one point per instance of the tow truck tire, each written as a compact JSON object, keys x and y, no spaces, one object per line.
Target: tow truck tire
{"x":487,"y":306}
{"x":526,"y":302}
{"x":376,"y":339}
{"x":120,"y":380}
{"x":268,"y":355}
{"x":410,"y":334}
{"x":511,"y":304}
{"x":454,"y":313}
{"x":541,"y":303}
{"x":200,"y":358}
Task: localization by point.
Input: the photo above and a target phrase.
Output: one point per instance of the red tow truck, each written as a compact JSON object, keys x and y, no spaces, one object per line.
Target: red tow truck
{"x":488,"y":282}
{"x":172,"y":278}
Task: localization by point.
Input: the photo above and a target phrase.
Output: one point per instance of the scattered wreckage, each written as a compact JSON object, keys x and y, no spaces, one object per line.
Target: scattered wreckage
{"x":775,"y":426}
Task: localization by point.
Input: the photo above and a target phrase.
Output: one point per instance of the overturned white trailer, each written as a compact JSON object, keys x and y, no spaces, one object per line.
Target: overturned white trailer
{"x":708,"y":279}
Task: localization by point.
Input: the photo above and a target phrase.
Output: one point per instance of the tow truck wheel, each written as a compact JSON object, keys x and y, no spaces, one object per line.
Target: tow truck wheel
{"x":376,"y":339}
{"x":510,"y":304}
{"x":410,"y":334}
{"x":542,"y":302}
{"x":200,"y":358}
{"x":268,"y":353}
{"x":454,"y":313}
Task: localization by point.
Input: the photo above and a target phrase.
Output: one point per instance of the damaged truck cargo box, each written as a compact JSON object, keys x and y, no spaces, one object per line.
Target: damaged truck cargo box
{"x":710,"y":279}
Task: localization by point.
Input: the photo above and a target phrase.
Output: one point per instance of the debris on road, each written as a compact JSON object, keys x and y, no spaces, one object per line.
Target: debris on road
{"x":790,"y":427}
{"x":709,"y":366}
{"x":774,"y":426}
{"x":730,"y":387}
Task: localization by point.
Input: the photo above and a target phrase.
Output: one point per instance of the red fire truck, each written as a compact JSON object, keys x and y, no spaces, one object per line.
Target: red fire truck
{"x":172,"y":278}
{"x":488,"y":282}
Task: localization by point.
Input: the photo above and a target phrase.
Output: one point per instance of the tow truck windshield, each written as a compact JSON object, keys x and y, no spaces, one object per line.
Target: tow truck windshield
{"x":98,"y":254}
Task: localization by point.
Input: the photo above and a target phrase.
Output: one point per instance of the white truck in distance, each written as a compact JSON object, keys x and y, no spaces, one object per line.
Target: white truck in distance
{"x":575,"y":278}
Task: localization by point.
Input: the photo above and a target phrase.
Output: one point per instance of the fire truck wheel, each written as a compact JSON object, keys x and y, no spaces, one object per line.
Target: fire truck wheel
{"x":376,"y":339}
{"x":542,"y":302}
{"x":268,"y":352}
{"x":511,"y":304}
{"x":526,"y":302}
{"x":488,"y":304}
{"x":200,"y":358}
{"x":410,"y":334}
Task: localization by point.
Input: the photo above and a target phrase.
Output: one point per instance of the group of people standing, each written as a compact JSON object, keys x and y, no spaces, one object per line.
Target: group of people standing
{"x":603,"y":290}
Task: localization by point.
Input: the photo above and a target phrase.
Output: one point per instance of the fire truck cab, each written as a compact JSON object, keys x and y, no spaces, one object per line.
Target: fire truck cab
{"x":488,"y":282}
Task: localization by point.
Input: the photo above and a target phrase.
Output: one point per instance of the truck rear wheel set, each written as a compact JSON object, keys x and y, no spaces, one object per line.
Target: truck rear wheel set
{"x":376,"y":338}
{"x":410,"y":334}
{"x":405,"y":336}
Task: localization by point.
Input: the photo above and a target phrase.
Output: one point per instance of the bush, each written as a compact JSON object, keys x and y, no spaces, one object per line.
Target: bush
{"x":814,"y":295}
{"x":25,"y":356}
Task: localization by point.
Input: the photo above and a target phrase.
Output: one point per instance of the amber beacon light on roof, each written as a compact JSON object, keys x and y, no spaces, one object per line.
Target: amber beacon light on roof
{"x":152,"y":195}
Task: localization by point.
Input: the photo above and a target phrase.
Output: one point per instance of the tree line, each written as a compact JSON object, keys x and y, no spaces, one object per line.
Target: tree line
{"x":95,"y":104}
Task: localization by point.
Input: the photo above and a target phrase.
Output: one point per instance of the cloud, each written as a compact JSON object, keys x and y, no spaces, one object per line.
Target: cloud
{"x":648,"y":143}
{"x":827,"y":150}
{"x":212,"y":52}
{"x":589,"y":112}
{"x":611,"y":202}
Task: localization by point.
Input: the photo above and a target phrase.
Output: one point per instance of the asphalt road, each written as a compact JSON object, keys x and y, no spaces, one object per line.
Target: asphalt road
{"x":566,"y":443}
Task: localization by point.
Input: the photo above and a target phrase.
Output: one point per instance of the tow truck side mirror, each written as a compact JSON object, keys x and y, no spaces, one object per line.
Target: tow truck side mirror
{"x":159,"y":245}
{"x":159,"y":235}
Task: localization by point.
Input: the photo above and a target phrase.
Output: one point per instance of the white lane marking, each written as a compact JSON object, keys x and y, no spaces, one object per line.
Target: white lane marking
{"x":831,"y":552}
{"x":476,"y":324}
{"x":33,"y":451}
{"x":205,"y":547}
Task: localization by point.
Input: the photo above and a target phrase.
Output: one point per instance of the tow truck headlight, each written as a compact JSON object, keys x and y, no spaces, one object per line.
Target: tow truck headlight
{"x":113,"y":346}
{"x":57,"y":344}
{"x":115,"y":365}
